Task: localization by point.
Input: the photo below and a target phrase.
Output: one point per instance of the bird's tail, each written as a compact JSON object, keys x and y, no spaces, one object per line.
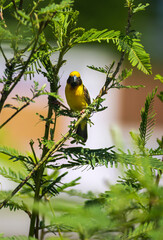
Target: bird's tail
{"x":82,"y":130}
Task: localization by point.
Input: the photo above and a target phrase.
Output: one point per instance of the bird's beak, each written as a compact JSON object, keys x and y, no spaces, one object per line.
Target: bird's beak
{"x":74,"y":80}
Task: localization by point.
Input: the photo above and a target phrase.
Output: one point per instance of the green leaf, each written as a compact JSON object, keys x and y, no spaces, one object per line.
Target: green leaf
{"x":85,"y":156}
{"x":147,"y":118}
{"x":140,"y":7}
{"x":18,"y":238}
{"x":9,"y":5}
{"x":99,"y":69}
{"x":138,"y":231}
{"x":78,"y":157}
{"x":10,"y":106}
{"x":94,"y":35}
{"x":136,"y":53}
{"x":138,"y":57}
{"x":11,"y":175}
{"x":52,"y":8}
{"x":160,"y":96}
{"x":52,"y":94}
{"x":133,"y":86}
{"x":125,"y":74}
{"x":5,"y":34}
{"x":9,"y":151}
{"x":23,"y":15}
{"x":159,"y":77}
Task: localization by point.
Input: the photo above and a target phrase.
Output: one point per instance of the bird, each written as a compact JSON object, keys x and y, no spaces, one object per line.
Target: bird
{"x":78,"y":99}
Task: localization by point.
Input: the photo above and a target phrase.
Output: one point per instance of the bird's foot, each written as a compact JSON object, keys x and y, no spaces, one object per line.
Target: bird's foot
{"x":82,"y":111}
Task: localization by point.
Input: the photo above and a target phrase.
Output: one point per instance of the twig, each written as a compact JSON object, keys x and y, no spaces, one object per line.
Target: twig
{"x":2,"y":18}
{"x":3,"y":54}
{"x":14,"y":114}
{"x":13,"y":1}
{"x":21,"y":5}
{"x":20,"y":109}
{"x":33,"y":151}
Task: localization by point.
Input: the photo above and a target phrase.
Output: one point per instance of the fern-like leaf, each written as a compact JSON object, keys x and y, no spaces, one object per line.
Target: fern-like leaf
{"x":5,"y":34}
{"x":51,"y":8}
{"x":139,"y":231}
{"x":18,"y":238}
{"x":94,"y":35}
{"x":11,"y":175}
{"x":138,"y":57}
{"x":9,"y":151}
{"x":99,"y":69}
{"x":147,"y":118}
{"x":136,"y":53}
{"x":85,"y":157}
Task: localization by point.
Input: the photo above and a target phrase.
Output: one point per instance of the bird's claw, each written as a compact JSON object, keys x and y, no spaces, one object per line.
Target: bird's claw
{"x":82,"y":111}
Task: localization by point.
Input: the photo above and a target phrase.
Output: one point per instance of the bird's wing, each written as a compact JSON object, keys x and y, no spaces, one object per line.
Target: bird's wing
{"x":86,"y":94}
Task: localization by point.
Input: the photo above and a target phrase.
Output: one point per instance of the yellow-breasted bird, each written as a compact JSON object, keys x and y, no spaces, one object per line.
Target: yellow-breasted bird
{"x":78,"y":99}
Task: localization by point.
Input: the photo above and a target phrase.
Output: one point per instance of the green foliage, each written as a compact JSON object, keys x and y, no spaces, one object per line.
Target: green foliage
{"x":11,"y":174}
{"x":160,"y":96}
{"x":140,"y":231}
{"x":9,"y":151}
{"x":130,"y":209}
{"x":140,"y":7}
{"x":159,"y":77}
{"x":136,"y":53}
{"x":97,"y":36}
{"x":4,"y":34}
{"x":84,"y":156}
{"x":18,"y":238}
{"x":147,"y":119}
{"x":122,"y":212}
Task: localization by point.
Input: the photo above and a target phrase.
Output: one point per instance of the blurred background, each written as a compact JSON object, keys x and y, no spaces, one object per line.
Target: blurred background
{"x":123,"y":107}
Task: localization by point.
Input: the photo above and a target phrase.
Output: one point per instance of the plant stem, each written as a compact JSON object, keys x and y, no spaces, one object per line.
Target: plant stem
{"x":53,"y":79}
{"x":39,"y":177}
{"x":14,"y":114}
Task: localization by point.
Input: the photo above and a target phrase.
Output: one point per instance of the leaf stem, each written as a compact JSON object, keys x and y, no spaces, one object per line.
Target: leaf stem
{"x":19,"y":110}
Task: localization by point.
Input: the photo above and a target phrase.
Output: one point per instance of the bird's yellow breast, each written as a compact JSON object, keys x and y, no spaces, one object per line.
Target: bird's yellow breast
{"x":75,"y":97}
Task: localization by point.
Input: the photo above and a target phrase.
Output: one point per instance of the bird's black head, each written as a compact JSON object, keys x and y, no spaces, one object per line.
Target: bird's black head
{"x":74,"y":79}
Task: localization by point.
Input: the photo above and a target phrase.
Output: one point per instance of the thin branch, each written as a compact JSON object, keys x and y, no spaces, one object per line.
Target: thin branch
{"x":33,"y":151}
{"x":14,"y":114}
{"x":21,"y":5}
{"x":19,"y":110}
{"x":2,"y":18}
{"x":3,"y":54}
{"x":14,"y":3}
{"x":106,"y":87}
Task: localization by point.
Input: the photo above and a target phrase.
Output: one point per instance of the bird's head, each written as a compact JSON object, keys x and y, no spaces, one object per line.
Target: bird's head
{"x":74,"y":79}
